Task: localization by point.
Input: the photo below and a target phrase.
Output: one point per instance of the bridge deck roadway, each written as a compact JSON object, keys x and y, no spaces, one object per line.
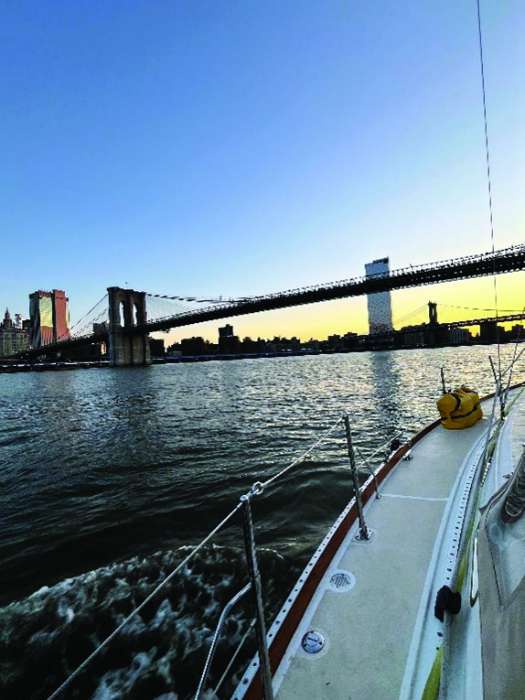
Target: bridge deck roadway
{"x":478,"y":267}
{"x":508,"y":260}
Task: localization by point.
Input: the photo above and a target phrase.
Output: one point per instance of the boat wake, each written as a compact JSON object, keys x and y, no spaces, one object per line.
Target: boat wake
{"x":160,"y":654}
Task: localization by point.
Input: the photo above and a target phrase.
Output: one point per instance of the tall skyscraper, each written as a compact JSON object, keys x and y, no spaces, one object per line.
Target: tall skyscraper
{"x":60,"y":315}
{"x":49,"y":317}
{"x":379,"y":305}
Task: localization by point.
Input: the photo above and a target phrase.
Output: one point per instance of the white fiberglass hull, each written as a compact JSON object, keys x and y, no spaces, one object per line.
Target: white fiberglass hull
{"x":381,"y":637}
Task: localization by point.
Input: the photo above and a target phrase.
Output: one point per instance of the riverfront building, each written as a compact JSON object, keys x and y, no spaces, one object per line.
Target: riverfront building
{"x":229,"y":343}
{"x":49,"y":312}
{"x":13,"y":338}
{"x":379,"y":304}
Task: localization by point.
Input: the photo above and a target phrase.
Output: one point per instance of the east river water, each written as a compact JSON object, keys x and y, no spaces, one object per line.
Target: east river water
{"x":107,"y":477}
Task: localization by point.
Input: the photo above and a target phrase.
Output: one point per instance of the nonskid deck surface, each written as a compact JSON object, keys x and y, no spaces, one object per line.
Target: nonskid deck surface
{"x":369,"y":628}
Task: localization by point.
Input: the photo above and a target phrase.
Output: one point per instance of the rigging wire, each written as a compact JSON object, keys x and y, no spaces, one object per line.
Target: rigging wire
{"x":489,"y":179}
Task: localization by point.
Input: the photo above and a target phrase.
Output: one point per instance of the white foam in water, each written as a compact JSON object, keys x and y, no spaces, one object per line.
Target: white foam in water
{"x":158,"y":656}
{"x":65,"y":611}
{"x":165,"y":611}
{"x":114,"y":683}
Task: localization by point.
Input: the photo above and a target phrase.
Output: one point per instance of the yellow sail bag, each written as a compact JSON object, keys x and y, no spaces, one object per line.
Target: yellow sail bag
{"x":459,"y":409}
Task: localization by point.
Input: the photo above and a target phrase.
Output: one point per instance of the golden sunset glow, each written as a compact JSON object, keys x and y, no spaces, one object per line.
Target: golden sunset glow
{"x":408,"y":307}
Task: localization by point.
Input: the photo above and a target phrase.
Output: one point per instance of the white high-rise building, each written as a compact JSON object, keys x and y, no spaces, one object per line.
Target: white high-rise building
{"x":379,"y":305}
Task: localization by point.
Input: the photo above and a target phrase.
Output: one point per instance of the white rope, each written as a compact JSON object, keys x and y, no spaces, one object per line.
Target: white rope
{"x":135,"y":612}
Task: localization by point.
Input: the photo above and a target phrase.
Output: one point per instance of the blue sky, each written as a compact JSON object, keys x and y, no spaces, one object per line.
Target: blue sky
{"x":241,"y":147}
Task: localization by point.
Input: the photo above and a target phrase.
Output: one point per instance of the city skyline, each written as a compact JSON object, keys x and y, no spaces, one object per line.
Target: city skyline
{"x":313,"y":163}
{"x":411,"y":337}
{"x":264,"y":286}
{"x":351,"y":315}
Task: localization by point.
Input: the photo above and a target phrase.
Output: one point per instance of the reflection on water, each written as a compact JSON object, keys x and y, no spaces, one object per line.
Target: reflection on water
{"x":101,"y":466}
{"x":82,"y":452}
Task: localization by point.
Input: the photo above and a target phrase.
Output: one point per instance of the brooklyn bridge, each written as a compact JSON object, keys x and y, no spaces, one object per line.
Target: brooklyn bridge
{"x":123,"y":318}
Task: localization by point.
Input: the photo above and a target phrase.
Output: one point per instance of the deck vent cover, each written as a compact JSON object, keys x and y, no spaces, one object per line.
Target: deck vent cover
{"x":342,"y":581}
{"x":313,"y":642}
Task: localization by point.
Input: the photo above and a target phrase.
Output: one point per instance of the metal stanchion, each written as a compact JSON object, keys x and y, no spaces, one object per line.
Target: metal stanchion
{"x":255,"y":578}
{"x":443,"y":385}
{"x":499,"y":392}
{"x":363,"y":530}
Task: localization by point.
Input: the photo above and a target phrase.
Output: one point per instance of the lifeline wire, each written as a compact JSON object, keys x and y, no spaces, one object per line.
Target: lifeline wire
{"x":382,"y":447}
{"x":260,"y":486}
{"x":309,"y":451}
{"x":303,"y":456}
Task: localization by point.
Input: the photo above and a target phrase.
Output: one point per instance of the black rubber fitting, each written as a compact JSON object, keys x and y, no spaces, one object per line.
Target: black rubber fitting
{"x":446,"y":601}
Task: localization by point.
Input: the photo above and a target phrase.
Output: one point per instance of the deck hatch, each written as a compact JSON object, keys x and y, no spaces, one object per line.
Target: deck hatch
{"x":342,"y":581}
{"x":313,"y":642}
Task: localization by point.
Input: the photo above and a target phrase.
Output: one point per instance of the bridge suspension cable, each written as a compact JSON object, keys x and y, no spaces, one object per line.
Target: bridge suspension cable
{"x":84,"y":326}
{"x":398,"y":320}
{"x":171,"y":312}
{"x":479,"y":308}
{"x":96,"y":314}
{"x":505,"y":260}
{"x":199,"y":300}
{"x":103,"y":298}
{"x":161,"y":306}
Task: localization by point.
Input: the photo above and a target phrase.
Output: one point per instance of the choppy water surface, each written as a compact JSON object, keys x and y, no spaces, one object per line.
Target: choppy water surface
{"x":107,"y":476}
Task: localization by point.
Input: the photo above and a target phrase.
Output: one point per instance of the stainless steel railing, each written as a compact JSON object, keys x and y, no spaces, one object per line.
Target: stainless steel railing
{"x":224,"y":614}
{"x":254,"y":585}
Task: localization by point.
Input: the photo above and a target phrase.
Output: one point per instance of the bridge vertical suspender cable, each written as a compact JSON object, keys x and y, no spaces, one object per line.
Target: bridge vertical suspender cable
{"x":489,"y":179}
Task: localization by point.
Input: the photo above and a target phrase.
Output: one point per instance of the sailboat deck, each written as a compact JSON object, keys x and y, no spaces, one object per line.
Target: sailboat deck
{"x":365,"y":653}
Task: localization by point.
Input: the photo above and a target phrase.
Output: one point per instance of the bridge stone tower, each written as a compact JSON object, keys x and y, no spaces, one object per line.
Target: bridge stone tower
{"x":127,"y":310}
{"x":432,"y":313}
